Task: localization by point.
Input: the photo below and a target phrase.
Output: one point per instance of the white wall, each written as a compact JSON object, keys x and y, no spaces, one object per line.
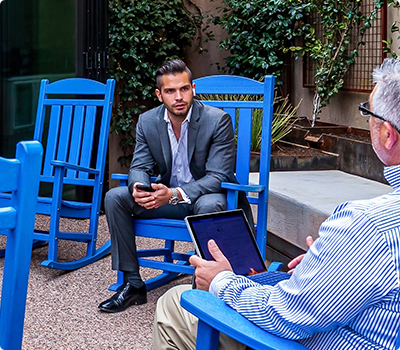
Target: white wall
{"x":343,"y":108}
{"x":203,"y":64}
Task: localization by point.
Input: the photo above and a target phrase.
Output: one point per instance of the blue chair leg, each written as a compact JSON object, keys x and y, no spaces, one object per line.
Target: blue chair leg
{"x":207,"y":337}
{"x":120,"y":281}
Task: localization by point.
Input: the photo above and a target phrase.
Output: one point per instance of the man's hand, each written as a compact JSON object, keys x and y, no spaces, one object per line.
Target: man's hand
{"x":292,"y":264}
{"x":152,"y":200}
{"x":207,"y":270}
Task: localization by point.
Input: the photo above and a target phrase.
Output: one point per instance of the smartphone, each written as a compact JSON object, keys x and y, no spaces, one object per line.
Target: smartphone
{"x":145,"y":188}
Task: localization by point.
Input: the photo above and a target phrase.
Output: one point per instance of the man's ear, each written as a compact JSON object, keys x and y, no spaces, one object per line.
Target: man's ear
{"x":194,"y":89}
{"x":392,"y":136}
{"x":158,"y":93}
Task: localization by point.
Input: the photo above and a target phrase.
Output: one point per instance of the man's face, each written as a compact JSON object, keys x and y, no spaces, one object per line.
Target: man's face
{"x":176,"y":94}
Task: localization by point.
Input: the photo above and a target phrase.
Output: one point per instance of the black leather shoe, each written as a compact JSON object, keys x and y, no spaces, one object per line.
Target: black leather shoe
{"x":126,"y":296}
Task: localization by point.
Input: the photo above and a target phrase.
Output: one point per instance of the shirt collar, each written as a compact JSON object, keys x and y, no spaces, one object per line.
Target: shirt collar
{"x":392,"y":175}
{"x":189,"y":115}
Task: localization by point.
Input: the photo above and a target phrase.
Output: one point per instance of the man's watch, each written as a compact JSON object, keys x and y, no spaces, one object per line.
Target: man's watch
{"x":174,"y":200}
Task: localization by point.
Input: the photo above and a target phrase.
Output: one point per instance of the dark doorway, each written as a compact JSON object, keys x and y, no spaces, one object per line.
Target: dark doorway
{"x":92,"y":28}
{"x":45,"y":39}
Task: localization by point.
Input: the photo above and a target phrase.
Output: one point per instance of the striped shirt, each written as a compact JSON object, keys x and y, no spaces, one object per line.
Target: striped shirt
{"x":345,"y":293}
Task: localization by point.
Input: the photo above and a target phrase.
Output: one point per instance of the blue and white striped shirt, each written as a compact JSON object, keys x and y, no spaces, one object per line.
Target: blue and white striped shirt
{"x":345,"y":293}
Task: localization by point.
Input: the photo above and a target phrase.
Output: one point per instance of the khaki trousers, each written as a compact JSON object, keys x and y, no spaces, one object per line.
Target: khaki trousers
{"x":176,"y":328}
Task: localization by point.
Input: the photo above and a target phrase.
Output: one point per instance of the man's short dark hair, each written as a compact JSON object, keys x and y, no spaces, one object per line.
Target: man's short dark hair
{"x":172,"y":67}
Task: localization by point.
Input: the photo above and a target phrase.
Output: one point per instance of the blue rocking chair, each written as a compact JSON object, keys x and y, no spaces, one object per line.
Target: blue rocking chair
{"x":19,"y":176}
{"x":242,"y":114}
{"x":215,"y":317}
{"x":73,"y":124}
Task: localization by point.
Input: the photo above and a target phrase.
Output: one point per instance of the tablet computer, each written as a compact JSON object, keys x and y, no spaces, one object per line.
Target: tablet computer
{"x":233,"y":235}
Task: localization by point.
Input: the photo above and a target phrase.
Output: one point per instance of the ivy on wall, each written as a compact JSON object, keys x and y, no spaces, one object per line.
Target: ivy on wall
{"x":143,"y":35}
{"x":146,"y":33}
{"x":394,"y":28}
{"x":258,"y":33}
{"x":261,"y":32}
{"x":335,"y":49}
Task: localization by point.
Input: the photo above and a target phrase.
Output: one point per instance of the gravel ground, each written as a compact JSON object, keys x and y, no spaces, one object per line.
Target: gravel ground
{"x":61,"y":311}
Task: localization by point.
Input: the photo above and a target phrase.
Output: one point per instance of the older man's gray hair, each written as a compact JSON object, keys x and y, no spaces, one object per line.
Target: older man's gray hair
{"x":386,"y":100}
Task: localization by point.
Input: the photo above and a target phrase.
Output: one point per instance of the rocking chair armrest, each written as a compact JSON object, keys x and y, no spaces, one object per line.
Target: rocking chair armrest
{"x":246,"y":188}
{"x":215,"y":315}
{"x":123,"y":178}
{"x":57,"y":163}
{"x":232,"y":195}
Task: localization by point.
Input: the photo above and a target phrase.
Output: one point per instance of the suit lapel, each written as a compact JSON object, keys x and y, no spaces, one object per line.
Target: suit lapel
{"x":164,"y":139}
{"x":193,"y":129}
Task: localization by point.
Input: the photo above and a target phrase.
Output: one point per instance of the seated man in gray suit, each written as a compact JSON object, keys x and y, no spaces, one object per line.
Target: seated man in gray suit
{"x":192,"y":147}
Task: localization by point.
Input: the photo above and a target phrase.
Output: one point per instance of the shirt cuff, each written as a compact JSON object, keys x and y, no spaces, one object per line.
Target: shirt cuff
{"x":185,"y":197}
{"x":219,"y":281}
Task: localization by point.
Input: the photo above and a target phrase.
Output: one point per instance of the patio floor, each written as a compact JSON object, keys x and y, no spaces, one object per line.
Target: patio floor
{"x":61,"y":311}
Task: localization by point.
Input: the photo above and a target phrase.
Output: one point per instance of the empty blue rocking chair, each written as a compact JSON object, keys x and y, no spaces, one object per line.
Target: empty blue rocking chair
{"x":73,"y":124}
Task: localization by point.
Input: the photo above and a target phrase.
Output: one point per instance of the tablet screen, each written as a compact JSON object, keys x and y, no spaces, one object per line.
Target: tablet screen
{"x":231,"y":232}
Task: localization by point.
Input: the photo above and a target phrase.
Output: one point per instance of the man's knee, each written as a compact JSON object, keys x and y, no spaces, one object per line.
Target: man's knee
{"x":210,"y":203}
{"x":117,"y":197}
{"x":174,"y":327}
{"x":170,"y":300}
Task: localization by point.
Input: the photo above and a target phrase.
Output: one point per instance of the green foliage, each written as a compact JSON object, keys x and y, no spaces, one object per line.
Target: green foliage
{"x":394,"y":28}
{"x":258,"y":33}
{"x":282,"y":123}
{"x":283,"y":119}
{"x":143,"y":35}
{"x":335,"y":50}
{"x":261,"y":32}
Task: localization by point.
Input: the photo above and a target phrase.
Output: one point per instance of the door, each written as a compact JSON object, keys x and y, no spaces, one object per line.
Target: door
{"x":45,"y":39}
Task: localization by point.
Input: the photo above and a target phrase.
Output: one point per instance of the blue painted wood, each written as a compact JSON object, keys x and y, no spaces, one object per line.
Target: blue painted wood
{"x":88,"y":135}
{"x":248,"y":188}
{"x":65,"y":132}
{"x":76,"y":264}
{"x":241,"y":113}
{"x":236,"y":104}
{"x":51,"y":145}
{"x":209,"y":338}
{"x":18,"y":225}
{"x":76,"y":137}
{"x":9,"y":177}
{"x":244,"y":146}
{"x":78,"y":113}
{"x":229,"y":85}
{"x":216,"y":317}
{"x":74,"y":102}
{"x":60,"y":164}
{"x":70,"y":87}
{"x":8,"y":216}
{"x":179,"y":267}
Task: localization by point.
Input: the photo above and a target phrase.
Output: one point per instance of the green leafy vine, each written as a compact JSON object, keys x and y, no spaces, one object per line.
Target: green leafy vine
{"x":143,"y":35}
{"x":334,"y":50}
{"x":394,"y":28}
{"x":259,"y":31}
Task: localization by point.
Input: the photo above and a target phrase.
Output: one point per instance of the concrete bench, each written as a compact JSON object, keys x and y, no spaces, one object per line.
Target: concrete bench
{"x":299,"y":201}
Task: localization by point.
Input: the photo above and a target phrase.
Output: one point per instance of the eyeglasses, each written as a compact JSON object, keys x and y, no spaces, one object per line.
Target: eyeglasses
{"x":365,"y":111}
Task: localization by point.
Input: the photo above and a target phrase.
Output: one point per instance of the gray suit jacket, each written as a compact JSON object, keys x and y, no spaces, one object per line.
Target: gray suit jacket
{"x":211,"y":151}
